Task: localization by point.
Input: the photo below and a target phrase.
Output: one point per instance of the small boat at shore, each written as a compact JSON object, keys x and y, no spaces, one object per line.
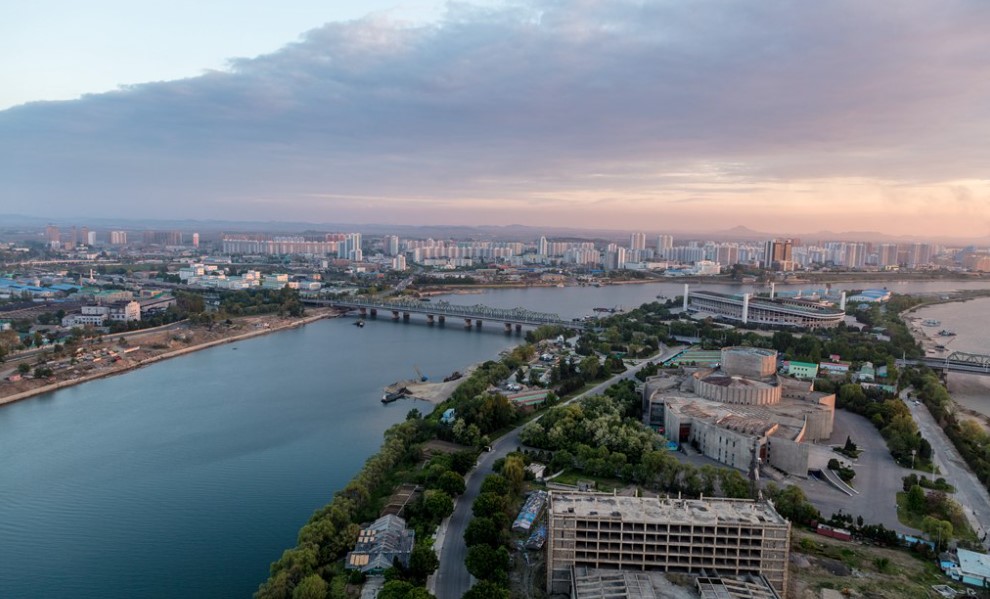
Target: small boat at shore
{"x":359,"y":323}
{"x":930,"y":323}
{"x":394,"y":396}
{"x":947,"y":333}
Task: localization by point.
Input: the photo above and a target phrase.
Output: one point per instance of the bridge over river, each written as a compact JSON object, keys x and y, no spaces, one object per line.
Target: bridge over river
{"x":956,"y":362}
{"x":439,"y":312}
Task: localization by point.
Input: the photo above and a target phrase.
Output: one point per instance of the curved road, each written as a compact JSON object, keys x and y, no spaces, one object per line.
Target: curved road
{"x":452,"y":578}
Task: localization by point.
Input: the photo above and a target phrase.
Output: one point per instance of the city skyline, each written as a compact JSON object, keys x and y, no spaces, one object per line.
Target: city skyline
{"x":658,"y":117}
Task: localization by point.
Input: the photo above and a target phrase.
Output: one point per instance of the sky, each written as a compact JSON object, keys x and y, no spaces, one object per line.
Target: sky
{"x":783,"y":116}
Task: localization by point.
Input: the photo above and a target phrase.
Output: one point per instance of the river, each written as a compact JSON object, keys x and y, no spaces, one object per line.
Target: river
{"x":187,"y":478}
{"x":573,"y":302}
{"x":970,"y":321}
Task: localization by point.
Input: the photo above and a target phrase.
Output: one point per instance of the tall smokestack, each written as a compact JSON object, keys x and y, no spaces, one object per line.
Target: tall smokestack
{"x":745,"y":308}
{"x":686,"y":296}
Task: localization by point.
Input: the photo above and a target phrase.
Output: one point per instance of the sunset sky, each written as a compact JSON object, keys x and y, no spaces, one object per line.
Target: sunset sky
{"x":789,"y":117}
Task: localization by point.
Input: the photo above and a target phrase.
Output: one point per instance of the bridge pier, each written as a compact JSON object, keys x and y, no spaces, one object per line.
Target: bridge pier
{"x":518,"y":329}
{"x":395,"y":315}
{"x":467,"y":323}
{"x":442,"y":320}
{"x":374,"y":313}
{"x":362,"y":312}
{"x":405,"y":317}
{"x":508,"y":328}
{"x":477,"y":324}
{"x":429,"y":319}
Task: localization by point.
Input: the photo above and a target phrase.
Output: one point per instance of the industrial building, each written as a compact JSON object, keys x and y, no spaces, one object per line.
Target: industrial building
{"x":741,"y":413}
{"x":378,"y":546}
{"x":700,"y":537}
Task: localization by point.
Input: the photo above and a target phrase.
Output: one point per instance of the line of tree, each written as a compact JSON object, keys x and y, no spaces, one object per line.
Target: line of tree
{"x":968,"y":437}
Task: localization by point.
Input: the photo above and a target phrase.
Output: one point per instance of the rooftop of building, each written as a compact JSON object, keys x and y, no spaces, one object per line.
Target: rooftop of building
{"x":807,"y":307}
{"x":973,"y":563}
{"x":755,"y":351}
{"x":784,"y":419}
{"x":710,"y":512}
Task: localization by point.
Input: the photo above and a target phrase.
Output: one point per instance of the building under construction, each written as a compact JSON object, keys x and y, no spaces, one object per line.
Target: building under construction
{"x":700,"y":537}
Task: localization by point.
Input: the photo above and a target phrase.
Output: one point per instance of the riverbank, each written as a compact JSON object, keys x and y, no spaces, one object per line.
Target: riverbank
{"x":101,"y":360}
{"x":969,"y":392}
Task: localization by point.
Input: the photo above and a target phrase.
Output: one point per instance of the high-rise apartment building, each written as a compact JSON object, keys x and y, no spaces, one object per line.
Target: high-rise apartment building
{"x":779,"y":253}
{"x":390,"y":244}
{"x":53,"y":236}
{"x":665,"y":243}
{"x":691,"y":536}
{"x":543,"y":248}
{"x":118,"y":237}
{"x":637,"y":241}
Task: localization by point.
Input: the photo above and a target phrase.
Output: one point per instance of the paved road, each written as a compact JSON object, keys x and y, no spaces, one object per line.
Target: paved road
{"x":970,"y":492}
{"x":878,"y":476}
{"x":452,"y":578}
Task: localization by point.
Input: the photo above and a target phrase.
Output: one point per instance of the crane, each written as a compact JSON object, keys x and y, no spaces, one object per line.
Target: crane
{"x":422,"y":377}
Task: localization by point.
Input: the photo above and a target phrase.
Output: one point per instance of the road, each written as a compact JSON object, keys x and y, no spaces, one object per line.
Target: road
{"x":452,"y":578}
{"x":970,"y":492}
{"x":878,"y":476}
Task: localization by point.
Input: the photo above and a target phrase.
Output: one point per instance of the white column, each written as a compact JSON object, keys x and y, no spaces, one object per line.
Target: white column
{"x":842,"y":302}
{"x":745,"y":308}
{"x":685,"y":297}
{"x":773,"y":289}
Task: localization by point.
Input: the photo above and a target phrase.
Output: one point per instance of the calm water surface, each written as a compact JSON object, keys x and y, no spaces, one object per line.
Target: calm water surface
{"x":187,"y":478}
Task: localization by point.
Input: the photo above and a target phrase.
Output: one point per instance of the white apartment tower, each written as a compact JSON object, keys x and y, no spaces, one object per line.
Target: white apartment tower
{"x":637,"y":241}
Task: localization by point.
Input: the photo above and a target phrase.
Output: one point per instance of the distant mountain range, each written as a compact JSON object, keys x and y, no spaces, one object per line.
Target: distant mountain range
{"x":506,"y":232}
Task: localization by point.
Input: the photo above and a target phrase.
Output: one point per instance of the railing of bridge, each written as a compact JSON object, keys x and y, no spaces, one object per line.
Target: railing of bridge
{"x":969,"y":359}
{"x":447,"y":309}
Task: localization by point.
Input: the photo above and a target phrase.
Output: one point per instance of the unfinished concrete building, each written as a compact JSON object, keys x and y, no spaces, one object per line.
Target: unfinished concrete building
{"x":701,"y":537}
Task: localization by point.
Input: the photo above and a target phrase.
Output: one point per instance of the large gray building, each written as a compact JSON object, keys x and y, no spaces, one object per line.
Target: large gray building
{"x":701,"y":537}
{"x":742,"y":413}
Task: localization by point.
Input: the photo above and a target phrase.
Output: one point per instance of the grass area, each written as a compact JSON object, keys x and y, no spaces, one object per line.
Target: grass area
{"x":571,"y":477}
{"x":909,"y":518}
{"x":881,"y":572}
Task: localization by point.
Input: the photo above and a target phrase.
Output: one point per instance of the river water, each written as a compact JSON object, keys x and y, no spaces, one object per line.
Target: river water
{"x":971,"y":323}
{"x":187,"y":478}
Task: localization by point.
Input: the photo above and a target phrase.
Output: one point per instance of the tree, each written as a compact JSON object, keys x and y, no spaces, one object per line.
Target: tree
{"x":514,"y":472}
{"x":311,"y":587}
{"x":423,"y":561}
{"x":485,"y":589}
{"x":438,"y":504}
{"x":482,"y":531}
{"x":485,"y":563}
{"x":400,"y":589}
{"x":489,"y":505}
{"x":916,"y":500}
{"x":451,"y":483}
{"x":23,"y":368}
{"x":495,"y":483}
{"x":938,"y":531}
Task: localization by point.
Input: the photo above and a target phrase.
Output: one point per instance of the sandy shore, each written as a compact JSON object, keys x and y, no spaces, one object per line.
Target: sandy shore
{"x":972,"y":393}
{"x":11,"y":392}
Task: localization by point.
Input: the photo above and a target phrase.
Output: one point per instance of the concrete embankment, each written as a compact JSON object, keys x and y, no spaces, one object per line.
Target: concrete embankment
{"x":157,"y":358}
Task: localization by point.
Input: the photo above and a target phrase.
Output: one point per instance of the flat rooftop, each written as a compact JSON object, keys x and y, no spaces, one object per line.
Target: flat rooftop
{"x":703,"y":512}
